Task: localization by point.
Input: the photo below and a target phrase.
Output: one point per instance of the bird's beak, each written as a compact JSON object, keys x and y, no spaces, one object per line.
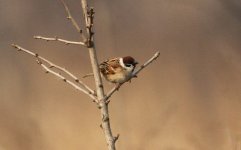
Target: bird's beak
{"x":136,"y":63}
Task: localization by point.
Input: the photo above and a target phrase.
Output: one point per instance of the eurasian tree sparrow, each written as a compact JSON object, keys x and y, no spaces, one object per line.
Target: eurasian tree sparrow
{"x":118,"y":70}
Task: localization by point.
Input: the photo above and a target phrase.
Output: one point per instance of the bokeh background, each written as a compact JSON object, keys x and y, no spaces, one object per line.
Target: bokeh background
{"x":189,"y":99}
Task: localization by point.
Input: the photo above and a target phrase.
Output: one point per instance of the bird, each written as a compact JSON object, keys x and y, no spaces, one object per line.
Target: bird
{"x":118,"y":70}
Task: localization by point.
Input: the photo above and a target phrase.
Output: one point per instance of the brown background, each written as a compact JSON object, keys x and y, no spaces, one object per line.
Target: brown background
{"x":189,"y":99}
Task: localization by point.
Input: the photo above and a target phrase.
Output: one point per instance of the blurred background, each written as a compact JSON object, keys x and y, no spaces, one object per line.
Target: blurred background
{"x":189,"y":99}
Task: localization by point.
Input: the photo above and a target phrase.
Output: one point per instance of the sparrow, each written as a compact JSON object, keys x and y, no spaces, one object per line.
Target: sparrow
{"x":118,"y":70}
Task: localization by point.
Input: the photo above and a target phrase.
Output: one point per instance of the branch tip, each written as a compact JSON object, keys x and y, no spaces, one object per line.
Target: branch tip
{"x":14,"y":45}
{"x":69,"y":17}
{"x":157,"y":54}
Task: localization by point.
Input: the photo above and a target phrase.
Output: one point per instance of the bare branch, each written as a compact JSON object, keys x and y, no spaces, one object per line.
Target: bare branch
{"x":156,"y":55}
{"x":112,"y":91}
{"x":87,"y":90}
{"x":60,"y":40}
{"x":134,"y":74}
{"x":48,"y":70}
{"x":89,"y":22}
{"x":73,"y":20}
{"x":88,"y":16}
{"x":99,"y":96}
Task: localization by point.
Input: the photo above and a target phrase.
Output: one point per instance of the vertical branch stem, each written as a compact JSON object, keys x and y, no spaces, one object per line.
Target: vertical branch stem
{"x":105,"y":124}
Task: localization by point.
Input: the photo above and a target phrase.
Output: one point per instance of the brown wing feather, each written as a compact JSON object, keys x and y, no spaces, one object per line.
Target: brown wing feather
{"x":109,"y":66}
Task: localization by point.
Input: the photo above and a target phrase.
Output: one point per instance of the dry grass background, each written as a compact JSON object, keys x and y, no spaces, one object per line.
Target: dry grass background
{"x":190,"y":99}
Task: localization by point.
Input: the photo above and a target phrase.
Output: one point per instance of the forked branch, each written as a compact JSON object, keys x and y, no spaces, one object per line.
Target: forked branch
{"x":82,"y":87}
{"x":97,"y":96}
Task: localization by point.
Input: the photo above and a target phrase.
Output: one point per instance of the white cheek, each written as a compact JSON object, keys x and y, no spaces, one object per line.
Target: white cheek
{"x":129,"y":69}
{"x":122,"y":63}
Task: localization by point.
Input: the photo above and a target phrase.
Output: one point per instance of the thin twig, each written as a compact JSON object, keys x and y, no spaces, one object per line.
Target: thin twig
{"x":48,"y":70}
{"x":86,"y":89}
{"x":134,"y":74}
{"x":52,"y":65}
{"x":60,"y":40}
{"x":154,"y":57}
{"x":73,"y":21}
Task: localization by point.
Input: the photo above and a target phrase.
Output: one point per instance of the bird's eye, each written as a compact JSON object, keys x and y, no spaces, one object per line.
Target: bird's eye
{"x":128,"y":65}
